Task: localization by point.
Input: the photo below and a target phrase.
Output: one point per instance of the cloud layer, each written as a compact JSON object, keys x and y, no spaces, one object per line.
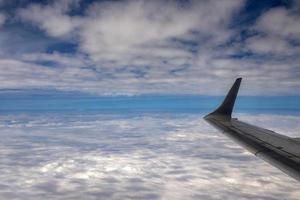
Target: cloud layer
{"x":137,"y":47}
{"x":134,"y":157}
{"x":2,"y":19}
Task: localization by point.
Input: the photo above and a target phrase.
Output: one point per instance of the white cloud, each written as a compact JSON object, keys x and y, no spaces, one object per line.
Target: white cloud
{"x":66,"y":73}
{"x":120,"y":32}
{"x":138,"y":47}
{"x":280,"y":22}
{"x":2,"y":19}
{"x":62,"y":60}
{"x":51,"y":18}
{"x":138,"y":157}
{"x":280,"y":26}
{"x":124,"y":31}
{"x":271,"y":44}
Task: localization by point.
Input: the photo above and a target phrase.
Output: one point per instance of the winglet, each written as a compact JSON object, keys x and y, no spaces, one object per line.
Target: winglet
{"x":225,"y":109}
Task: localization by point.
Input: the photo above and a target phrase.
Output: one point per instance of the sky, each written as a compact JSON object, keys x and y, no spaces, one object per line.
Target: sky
{"x":105,"y":99}
{"x":150,"y":47}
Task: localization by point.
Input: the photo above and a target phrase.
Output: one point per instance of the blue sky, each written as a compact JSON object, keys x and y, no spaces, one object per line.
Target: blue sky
{"x":135,"y":105}
{"x":150,"y":47}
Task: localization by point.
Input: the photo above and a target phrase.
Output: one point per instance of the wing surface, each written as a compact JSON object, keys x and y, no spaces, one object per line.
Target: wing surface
{"x":279,"y":150}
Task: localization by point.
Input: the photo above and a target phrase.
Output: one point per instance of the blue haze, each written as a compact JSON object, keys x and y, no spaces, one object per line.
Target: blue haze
{"x":146,"y":104}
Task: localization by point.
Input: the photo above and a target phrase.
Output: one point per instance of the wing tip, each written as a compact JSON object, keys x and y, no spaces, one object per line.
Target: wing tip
{"x":226,"y":108}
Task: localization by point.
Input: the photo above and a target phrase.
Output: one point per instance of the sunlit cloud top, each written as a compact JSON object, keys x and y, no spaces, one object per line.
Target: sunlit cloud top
{"x":150,"y":47}
{"x":139,"y":157}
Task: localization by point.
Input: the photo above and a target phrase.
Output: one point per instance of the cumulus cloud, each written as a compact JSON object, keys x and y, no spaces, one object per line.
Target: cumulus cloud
{"x":141,"y":47}
{"x":51,"y":17}
{"x":134,"y":157}
{"x":279,"y":28}
{"x":282,"y":22}
{"x":38,"y":76}
{"x":122,"y":32}
{"x":272,"y":45}
{"x":2,"y":19}
{"x":125,"y":31}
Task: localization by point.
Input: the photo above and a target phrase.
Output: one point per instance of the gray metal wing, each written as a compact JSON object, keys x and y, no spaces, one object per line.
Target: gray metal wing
{"x":279,"y":150}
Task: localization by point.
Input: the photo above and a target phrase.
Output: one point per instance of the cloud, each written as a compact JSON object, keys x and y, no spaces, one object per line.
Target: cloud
{"x":125,"y":31}
{"x":279,"y":28}
{"x":142,"y":47}
{"x":51,"y":17}
{"x":2,"y":19}
{"x":280,"y":21}
{"x":76,"y":73}
{"x":134,"y":157}
{"x":121,"y":32}
{"x":58,"y":59}
{"x":269,"y":44}
{"x":31,"y":75}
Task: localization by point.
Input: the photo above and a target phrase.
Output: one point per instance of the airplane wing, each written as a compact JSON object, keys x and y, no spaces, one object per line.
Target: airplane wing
{"x":278,"y":150}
